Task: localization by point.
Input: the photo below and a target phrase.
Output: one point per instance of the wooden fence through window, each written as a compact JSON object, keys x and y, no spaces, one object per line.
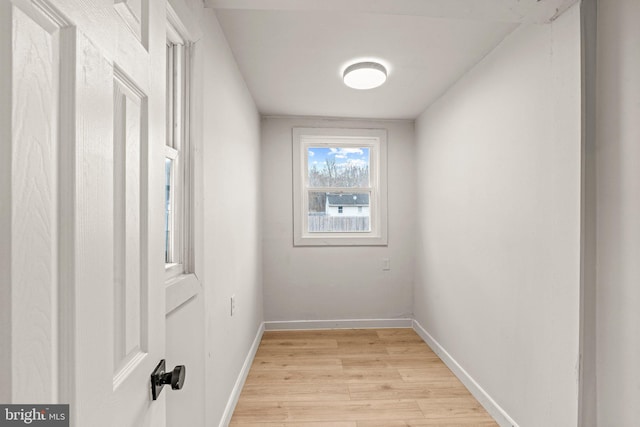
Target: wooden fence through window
{"x":337,"y":224}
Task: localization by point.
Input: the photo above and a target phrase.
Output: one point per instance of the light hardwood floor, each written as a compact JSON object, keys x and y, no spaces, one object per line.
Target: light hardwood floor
{"x":353,"y":378}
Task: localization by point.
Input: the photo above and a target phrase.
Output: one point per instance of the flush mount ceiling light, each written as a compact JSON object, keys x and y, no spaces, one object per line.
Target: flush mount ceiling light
{"x":365,"y":75}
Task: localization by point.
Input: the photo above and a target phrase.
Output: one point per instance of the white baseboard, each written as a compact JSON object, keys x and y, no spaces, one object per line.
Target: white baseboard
{"x":242,"y":377}
{"x":499,"y":414}
{"x":287,"y":325}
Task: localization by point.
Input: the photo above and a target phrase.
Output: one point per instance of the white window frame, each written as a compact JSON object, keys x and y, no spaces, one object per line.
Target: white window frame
{"x":178,"y":149}
{"x":376,"y":141}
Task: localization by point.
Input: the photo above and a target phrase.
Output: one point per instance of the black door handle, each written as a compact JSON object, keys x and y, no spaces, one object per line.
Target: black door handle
{"x":159,"y":378}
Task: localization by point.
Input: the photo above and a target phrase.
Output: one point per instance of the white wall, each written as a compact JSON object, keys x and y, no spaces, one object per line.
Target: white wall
{"x":498,"y":251}
{"x":618,"y":193}
{"x":232,"y":258}
{"x":186,"y":346}
{"x":327,"y":283}
{"x":228,"y":258}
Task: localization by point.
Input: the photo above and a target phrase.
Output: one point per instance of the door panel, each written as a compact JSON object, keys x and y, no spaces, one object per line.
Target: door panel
{"x":86,"y":267}
{"x":130,"y":290}
{"x":34,"y":188}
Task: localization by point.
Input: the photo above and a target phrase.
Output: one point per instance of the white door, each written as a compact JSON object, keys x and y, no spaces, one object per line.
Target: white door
{"x":81,"y":196}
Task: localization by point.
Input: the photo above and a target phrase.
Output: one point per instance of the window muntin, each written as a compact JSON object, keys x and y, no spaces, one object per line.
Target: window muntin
{"x":339,"y":187}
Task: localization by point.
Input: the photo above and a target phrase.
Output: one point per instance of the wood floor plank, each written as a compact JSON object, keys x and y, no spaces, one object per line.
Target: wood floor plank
{"x":364,"y":361}
{"x":454,"y":409}
{"x":323,"y":376}
{"x":335,"y":376}
{"x":293,"y":363}
{"x":448,"y":387}
{"x":435,"y":373}
{"x":300,"y":343}
{"x":362,"y":345}
{"x":390,"y":390}
{"x":342,"y":351}
{"x":404,"y":390}
{"x":413,"y":361}
{"x":352,"y":410}
{"x":409,"y":349}
{"x":295,"y":392}
{"x":399,"y":336}
{"x":371,"y":375}
{"x":258,"y":412}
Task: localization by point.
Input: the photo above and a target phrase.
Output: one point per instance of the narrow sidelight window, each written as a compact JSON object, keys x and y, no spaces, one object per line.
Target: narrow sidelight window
{"x":177,"y":213}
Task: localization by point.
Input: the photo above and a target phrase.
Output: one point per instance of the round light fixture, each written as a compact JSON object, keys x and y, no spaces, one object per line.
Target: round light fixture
{"x":365,"y":75}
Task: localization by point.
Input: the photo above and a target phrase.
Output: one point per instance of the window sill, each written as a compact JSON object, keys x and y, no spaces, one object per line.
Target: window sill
{"x":339,"y":241}
{"x":179,"y":290}
{"x":173,"y":270}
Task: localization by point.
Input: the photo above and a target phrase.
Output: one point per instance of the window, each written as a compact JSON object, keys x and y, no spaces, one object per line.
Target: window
{"x":177,"y":158}
{"x":340,"y":191}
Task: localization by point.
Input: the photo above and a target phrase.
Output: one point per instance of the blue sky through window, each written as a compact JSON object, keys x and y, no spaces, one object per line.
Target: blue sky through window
{"x":343,"y":156}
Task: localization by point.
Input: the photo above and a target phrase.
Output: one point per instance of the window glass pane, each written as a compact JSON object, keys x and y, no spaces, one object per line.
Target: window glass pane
{"x":170,"y":85}
{"x":338,"y":166}
{"x":168,"y":216}
{"x":339,"y":212}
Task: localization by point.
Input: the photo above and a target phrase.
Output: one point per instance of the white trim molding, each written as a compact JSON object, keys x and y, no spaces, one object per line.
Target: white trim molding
{"x":496,"y":411}
{"x":242,"y":377}
{"x":180,"y":16}
{"x":291,"y":325}
{"x":180,"y":290}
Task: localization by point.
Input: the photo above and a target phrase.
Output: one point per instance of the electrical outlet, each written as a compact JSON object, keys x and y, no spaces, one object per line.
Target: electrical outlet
{"x":233,"y":305}
{"x":386,"y":264}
